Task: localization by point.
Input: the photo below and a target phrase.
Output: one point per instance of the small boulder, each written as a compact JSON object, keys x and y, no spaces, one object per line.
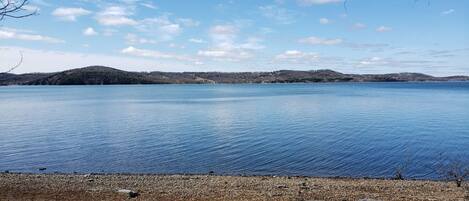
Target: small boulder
{"x":130,"y":193}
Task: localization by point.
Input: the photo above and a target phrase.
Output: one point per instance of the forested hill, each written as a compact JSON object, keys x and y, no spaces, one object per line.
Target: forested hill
{"x":100,"y":75}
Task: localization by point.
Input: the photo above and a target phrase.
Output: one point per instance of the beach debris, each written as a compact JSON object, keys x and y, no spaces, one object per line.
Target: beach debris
{"x":130,"y":193}
{"x":42,"y":168}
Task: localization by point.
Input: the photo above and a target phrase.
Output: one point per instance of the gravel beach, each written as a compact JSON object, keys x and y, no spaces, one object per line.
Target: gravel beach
{"x":15,"y":186}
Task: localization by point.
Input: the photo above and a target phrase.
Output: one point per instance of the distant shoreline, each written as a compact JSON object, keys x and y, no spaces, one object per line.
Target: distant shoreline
{"x":209,"y":84}
{"x":100,"y":75}
{"x":21,"y":186}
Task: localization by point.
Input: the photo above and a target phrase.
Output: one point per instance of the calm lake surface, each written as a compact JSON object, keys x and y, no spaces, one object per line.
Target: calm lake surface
{"x":345,"y":129}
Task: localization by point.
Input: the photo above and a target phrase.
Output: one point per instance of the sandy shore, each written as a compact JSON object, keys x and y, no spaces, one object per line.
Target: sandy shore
{"x":208,"y":187}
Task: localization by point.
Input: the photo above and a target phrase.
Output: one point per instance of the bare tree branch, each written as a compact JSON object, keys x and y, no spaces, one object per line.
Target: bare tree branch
{"x":456,"y":170}
{"x":14,"y":9}
{"x":17,"y":65}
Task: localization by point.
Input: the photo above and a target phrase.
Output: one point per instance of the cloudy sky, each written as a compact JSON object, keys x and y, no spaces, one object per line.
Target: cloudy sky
{"x":360,"y":36}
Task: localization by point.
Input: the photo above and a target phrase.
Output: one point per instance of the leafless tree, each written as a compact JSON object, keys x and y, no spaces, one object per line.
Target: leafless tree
{"x":15,"y":9}
{"x":456,"y":170}
{"x":403,"y":167}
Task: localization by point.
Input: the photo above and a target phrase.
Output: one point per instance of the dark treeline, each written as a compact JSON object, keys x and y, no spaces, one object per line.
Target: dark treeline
{"x":97,"y":75}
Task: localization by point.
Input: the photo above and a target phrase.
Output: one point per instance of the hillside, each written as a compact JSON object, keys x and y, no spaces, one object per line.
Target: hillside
{"x":100,"y":75}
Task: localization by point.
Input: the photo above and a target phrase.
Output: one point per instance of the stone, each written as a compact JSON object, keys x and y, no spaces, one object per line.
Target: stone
{"x":130,"y":193}
{"x":282,"y":186}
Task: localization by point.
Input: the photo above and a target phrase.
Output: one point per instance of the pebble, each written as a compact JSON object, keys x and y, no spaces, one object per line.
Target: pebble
{"x":282,"y":186}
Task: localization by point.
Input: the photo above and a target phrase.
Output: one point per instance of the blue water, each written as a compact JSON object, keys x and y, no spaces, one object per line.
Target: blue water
{"x":346,"y":129}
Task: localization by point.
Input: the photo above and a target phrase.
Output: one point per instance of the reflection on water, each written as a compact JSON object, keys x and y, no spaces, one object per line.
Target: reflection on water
{"x":352,"y":129}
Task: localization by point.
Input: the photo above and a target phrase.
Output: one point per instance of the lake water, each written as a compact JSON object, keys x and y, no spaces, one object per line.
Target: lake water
{"x":344,"y":129}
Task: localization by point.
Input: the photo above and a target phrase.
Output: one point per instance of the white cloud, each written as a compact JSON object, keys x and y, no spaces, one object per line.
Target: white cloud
{"x":383,"y":29}
{"x":161,"y":27}
{"x":324,"y":21}
{"x":225,"y":55}
{"x":116,"y":21}
{"x":374,"y":47}
{"x":212,"y":53}
{"x":224,"y":30}
{"x":359,"y":25}
{"x":196,"y":40}
{"x":447,"y":12}
{"x":115,"y":16}
{"x":31,"y":8}
{"x":317,"y":2}
{"x":133,"y":39}
{"x":116,"y":10}
{"x":320,"y":41}
{"x":225,"y":46}
{"x":252,"y":43}
{"x":41,"y":2}
{"x":296,"y":54}
{"x":89,"y":32}
{"x":109,"y":32}
{"x":7,"y":33}
{"x":70,"y":14}
{"x":224,"y":33}
{"x":155,"y":54}
{"x":372,"y":61}
{"x":145,"y":53}
{"x":149,"y":5}
{"x":281,"y":15}
{"x":174,"y":45}
{"x":188,"y":22}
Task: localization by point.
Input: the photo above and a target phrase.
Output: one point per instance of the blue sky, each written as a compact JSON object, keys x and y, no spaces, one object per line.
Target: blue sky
{"x":364,"y":36}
